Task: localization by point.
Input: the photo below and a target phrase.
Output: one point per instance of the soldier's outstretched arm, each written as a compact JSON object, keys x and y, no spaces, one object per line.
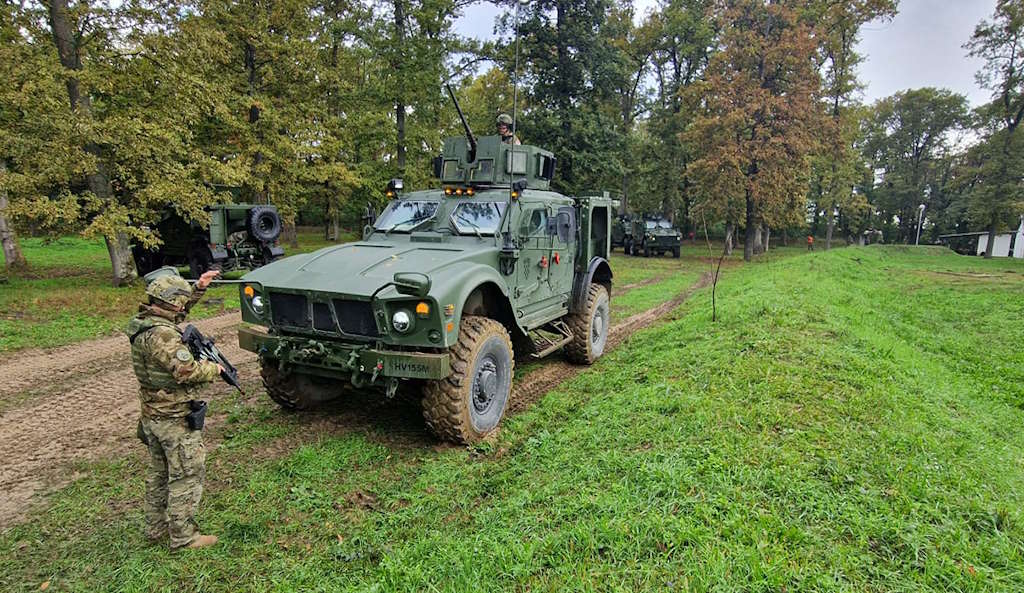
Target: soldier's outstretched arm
{"x":170,"y":353}
{"x":199,"y":288}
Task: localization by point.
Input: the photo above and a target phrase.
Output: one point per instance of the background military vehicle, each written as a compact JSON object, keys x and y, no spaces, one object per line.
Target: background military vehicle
{"x":240,"y":236}
{"x":622,"y":230}
{"x":447,"y":289}
{"x":653,"y":234}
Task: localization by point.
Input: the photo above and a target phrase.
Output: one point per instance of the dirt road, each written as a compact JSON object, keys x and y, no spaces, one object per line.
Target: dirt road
{"x":79,"y":403}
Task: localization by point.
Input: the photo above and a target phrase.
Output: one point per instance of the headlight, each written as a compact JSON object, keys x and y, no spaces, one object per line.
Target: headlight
{"x":401,"y":321}
{"x":257,"y":304}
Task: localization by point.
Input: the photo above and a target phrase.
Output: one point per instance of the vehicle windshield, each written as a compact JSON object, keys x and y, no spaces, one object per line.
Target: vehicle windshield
{"x":664,"y":224}
{"x":471,"y":218}
{"x":657,"y":224}
{"x":404,"y":215}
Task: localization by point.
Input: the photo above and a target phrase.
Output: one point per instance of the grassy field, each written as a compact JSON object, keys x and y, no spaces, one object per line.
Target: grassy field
{"x":66,"y":295}
{"x":851,"y":423}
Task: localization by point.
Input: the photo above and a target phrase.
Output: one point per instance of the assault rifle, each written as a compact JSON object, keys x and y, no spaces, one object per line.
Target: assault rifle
{"x":203,"y":349}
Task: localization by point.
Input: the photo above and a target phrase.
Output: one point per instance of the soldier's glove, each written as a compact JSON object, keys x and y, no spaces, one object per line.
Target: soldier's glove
{"x":197,"y":416}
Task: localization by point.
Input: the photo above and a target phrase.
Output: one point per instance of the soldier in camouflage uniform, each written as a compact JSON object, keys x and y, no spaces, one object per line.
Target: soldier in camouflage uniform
{"x":505,"y":130}
{"x":168,"y":375}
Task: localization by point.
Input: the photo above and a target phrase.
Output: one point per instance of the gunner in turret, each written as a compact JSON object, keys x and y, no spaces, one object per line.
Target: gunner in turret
{"x":505,"y":129}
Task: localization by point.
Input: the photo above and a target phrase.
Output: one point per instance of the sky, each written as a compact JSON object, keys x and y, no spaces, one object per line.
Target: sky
{"x":921,"y":47}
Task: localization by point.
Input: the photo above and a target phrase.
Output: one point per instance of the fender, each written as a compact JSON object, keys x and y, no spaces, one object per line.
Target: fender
{"x":467,"y":281}
{"x":600,"y":271}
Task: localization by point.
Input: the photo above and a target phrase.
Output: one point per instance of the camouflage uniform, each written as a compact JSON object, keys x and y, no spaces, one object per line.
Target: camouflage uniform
{"x":509,"y":138}
{"x":168,"y":375}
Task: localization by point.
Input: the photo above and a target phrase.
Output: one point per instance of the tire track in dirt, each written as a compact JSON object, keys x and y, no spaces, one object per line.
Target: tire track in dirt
{"x":92,"y":415}
{"x":36,"y":367}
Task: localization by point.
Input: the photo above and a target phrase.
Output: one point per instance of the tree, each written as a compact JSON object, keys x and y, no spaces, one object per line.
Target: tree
{"x":756,"y":130}
{"x":837,"y":164}
{"x":907,"y":137}
{"x":998,"y":191}
{"x":682,"y":35}
{"x":564,"y":49}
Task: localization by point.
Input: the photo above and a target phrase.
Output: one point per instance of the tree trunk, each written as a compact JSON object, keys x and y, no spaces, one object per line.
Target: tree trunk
{"x":119,"y":248}
{"x":290,"y":235}
{"x":748,"y":233}
{"x":730,"y":230}
{"x":13,"y":258}
{"x":66,"y":38}
{"x":991,"y":237}
{"x":758,"y":241}
{"x":336,"y":222}
{"x":767,"y":237}
{"x":828,"y":232}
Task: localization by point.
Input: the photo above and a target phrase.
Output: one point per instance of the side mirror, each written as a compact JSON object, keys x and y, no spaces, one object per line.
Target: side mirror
{"x":565,"y":224}
{"x":438,"y":164}
{"x":412,"y":283}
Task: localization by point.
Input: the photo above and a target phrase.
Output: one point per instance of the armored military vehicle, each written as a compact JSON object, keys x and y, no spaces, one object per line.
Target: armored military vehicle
{"x":622,"y":231}
{"x":653,"y":235}
{"x":240,"y":236}
{"x":447,"y":289}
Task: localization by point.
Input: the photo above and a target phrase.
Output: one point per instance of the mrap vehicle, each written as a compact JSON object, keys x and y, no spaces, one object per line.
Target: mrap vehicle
{"x":446,"y":290}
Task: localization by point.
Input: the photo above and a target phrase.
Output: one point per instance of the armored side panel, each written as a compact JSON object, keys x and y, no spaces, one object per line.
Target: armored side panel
{"x":495,"y":163}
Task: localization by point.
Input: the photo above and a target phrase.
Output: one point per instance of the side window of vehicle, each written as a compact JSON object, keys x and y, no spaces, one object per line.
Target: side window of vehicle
{"x":534,"y":222}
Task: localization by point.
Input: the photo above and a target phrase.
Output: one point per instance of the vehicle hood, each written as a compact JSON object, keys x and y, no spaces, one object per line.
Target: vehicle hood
{"x":360,"y":268}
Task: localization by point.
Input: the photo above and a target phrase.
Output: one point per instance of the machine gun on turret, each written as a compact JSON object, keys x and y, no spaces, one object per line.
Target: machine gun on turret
{"x":469,"y":133}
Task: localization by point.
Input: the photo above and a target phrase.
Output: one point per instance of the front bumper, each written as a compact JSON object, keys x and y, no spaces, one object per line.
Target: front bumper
{"x":328,"y":357}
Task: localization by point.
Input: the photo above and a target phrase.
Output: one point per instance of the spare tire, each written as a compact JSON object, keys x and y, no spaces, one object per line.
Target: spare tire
{"x":264,"y":223}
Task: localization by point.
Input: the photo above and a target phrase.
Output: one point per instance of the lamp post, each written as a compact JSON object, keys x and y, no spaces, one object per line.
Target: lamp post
{"x":920,"y":215}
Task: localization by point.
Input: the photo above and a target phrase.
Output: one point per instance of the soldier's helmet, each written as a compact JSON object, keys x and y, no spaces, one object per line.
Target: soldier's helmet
{"x":165,"y":284}
{"x":506,"y":119}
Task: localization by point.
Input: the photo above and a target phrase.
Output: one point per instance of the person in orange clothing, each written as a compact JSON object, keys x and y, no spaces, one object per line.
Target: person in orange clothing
{"x":810,"y":242}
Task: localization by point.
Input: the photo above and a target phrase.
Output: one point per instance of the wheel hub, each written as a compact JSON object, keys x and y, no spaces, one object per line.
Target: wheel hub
{"x":597,"y":328}
{"x":485,"y":385}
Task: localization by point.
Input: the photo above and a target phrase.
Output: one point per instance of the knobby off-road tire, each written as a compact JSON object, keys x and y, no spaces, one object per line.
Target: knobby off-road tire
{"x":264,"y":224}
{"x":675,"y":252}
{"x":294,"y":391}
{"x":467,"y":406}
{"x":589,"y":327}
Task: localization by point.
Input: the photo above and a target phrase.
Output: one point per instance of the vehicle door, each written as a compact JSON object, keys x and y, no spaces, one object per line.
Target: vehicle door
{"x":562,"y":228}
{"x":534,"y":257}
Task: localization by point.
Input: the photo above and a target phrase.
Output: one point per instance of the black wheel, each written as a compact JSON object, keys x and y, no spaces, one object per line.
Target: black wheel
{"x":469,"y":404}
{"x":647,"y":251}
{"x":295,"y":391}
{"x":199,"y":260}
{"x":675,"y":252}
{"x":264,"y":223}
{"x":589,"y":327}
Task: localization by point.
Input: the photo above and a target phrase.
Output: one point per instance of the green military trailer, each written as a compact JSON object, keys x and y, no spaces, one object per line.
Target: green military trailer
{"x":447,"y":289}
{"x":653,"y":235}
{"x":622,"y":231}
{"x":239,"y":237}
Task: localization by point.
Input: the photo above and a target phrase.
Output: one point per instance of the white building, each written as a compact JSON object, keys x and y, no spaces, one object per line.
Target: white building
{"x":1006,"y":244}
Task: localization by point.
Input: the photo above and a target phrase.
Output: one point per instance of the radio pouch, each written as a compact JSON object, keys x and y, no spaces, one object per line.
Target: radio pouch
{"x":197,"y":416}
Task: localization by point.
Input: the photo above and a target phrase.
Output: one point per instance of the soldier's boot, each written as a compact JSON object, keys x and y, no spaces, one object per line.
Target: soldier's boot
{"x":203,"y":541}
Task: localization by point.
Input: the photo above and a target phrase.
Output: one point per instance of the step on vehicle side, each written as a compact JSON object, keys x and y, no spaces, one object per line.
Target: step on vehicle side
{"x":447,"y":290}
{"x":653,"y":235}
{"x":239,"y":237}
